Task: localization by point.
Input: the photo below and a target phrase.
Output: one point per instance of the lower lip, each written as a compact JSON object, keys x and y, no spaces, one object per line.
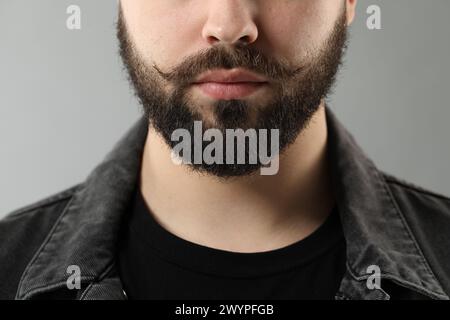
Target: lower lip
{"x":229,"y":91}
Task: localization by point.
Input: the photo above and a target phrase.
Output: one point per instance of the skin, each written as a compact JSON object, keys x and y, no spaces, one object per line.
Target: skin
{"x":250,"y":213}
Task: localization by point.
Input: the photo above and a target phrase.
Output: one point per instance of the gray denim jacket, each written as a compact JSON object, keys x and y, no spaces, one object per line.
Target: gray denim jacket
{"x":388,"y":224}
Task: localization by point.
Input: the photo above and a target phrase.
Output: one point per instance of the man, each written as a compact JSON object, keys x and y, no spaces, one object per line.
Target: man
{"x":167,"y":217}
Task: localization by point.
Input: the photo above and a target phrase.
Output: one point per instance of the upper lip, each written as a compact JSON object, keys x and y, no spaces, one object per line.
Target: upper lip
{"x":230,"y":76}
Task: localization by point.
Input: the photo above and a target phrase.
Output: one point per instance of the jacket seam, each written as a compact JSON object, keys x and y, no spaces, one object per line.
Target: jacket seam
{"x":53,"y":285}
{"x":409,"y":285}
{"x":102,"y":276}
{"x":86,"y":291}
{"x":406,"y":284}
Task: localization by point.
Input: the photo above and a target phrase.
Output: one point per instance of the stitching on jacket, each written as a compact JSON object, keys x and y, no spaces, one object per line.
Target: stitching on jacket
{"x":54,"y":285}
{"x":103,"y":275}
{"x":86,"y":291}
{"x":399,"y":281}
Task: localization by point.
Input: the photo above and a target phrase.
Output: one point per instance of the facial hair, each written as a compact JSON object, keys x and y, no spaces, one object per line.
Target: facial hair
{"x":289,"y":110}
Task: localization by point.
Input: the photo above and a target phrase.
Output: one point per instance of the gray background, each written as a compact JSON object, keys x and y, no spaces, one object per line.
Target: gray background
{"x":64,"y":98}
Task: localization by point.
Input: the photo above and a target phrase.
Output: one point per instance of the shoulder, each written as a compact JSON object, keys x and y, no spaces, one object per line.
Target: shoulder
{"x":418,"y":200}
{"x":427,"y":214}
{"x":37,"y":215}
{"x":22,"y":232}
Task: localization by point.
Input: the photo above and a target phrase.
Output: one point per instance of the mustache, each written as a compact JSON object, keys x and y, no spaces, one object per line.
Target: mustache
{"x":225,"y":57}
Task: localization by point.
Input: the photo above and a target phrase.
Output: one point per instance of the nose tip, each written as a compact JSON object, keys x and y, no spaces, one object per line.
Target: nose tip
{"x":229,"y":23}
{"x":225,"y":35}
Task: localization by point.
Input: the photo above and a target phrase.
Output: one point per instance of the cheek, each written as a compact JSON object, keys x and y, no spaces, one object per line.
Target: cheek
{"x":163,"y":33}
{"x":293,"y":31}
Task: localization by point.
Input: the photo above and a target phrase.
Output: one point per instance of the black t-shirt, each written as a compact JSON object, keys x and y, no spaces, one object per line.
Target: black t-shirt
{"x":156,"y":264}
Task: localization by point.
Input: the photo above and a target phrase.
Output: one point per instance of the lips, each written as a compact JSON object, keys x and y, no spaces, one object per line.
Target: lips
{"x":229,"y":84}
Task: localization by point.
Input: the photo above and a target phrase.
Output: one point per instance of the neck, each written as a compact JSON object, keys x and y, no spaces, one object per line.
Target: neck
{"x":248,"y":214}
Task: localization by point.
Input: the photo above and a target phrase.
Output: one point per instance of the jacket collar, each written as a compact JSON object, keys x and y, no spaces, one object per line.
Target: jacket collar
{"x":375,"y":229}
{"x":87,"y":231}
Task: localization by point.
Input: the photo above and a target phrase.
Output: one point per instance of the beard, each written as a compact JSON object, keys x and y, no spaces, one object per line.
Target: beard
{"x":298,"y":91}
